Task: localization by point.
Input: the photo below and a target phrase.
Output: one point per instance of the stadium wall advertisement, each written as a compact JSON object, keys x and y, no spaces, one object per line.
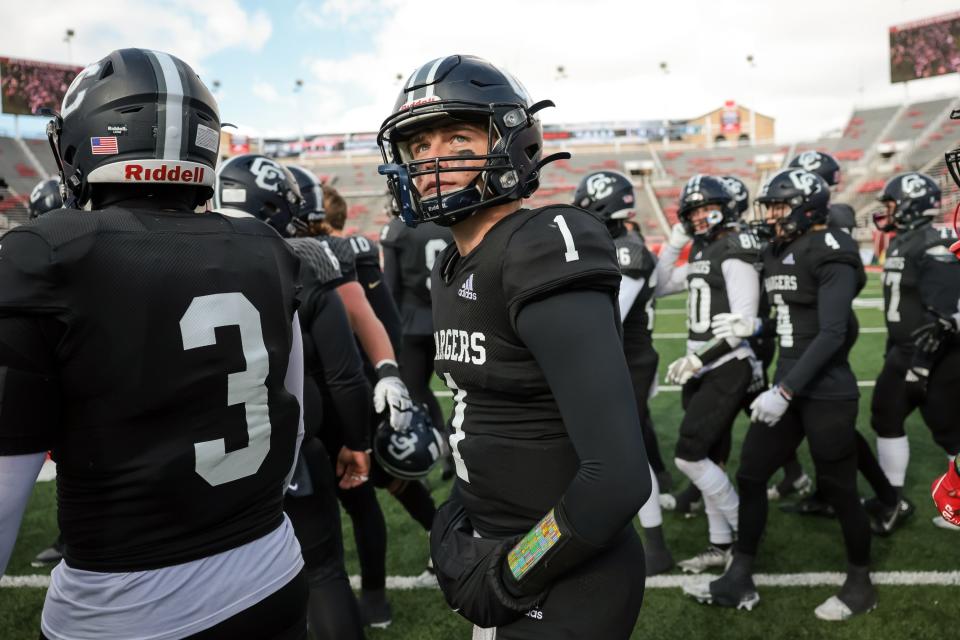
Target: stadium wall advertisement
{"x":925,"y":48}
{"x":29,"y":85}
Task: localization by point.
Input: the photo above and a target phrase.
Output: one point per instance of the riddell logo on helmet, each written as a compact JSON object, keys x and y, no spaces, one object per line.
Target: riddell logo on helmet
{"x":163,"y":173}
{"x":419,"y":102}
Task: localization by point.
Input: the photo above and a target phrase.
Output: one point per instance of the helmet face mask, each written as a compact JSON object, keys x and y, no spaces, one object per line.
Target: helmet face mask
{"x":469,"y":91}
{"x":710,"y":194}
{"x":791,"y":202}
{"x":263,"y":188}
{"x":909,"y":199}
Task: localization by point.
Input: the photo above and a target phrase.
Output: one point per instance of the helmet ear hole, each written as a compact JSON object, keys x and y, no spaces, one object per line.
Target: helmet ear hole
{"x":69,"y":154}
{"x":532,"y":151}
{"x":107,"y":70}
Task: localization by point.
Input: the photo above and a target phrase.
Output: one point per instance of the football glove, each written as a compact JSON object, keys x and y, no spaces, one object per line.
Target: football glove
{"x":678,"y":237}
{"x":684,"y":368}
{"x":390,"y":393}
{"x":946,"y":494}
{"x":769,"y":406}
{"x":733,"y":325}
{"x":470,"y":570}
{"x":930,"y":337}
{"x":916,"y":380}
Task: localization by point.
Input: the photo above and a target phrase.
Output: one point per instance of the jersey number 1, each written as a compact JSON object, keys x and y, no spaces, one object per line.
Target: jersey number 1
{"x":197,"y":327}
{"x":572,"y":254}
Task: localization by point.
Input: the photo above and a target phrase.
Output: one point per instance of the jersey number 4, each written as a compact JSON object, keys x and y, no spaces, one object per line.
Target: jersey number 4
{"x":197,"y":327}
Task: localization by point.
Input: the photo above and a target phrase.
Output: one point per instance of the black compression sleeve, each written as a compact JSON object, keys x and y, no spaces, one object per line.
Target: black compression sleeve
{"x":382,"y":302}
{"x":573,"y":336}
{"x":29,"y":389}
{"x":391,"y":271}
{"x":837,"y":288}
{"x":342,"y":371}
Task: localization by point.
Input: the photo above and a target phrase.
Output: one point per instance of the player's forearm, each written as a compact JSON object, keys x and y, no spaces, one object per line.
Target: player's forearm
{"x":591,"y":383}
{"x":391,"y":272}
{"x":293,"y":383}
{"x":368,"y":329}
{"x":838,"y":286}
{"x":17,"y":476}
{"x":342,"y":371}
{"x":742,"y":284}
{"x":670,"y":277}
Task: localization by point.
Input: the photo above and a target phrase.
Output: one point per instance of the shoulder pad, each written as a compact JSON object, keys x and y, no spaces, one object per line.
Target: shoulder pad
{"x":832,"y":245}
{"x":392,"y":231}
{"x":634,"y":258}
{"x":555,"y":248}
{"x":318,"y":260}
{"x":28,"y":273}
{"x":741,"y":244}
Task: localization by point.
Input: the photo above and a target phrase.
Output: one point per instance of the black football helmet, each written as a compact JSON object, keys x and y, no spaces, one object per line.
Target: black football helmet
{"x":460,"y":88}
{"x":410,"y":454}
{"x":741,"y":195}
{"x":312,"y":191}
{"x":820,"y":163}
{"x":609,"y":194}
{"x":702,"y":190}
{"x":916,"y":199}
{"x":136,"y":117}
{"x":806,"y":193}
{"x":263,"y":188}
{"x":44,"y":197}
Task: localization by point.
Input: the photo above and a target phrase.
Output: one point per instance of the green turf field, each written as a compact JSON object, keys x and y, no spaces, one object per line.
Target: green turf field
{"x":792,"y":545}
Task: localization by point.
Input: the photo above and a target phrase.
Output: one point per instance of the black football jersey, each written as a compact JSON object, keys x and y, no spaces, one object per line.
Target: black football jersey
{"x":512,"y":453}
{"x":345,"y":256}
{"x":636,"y":261}
{"x":417,"y":250}
{"x":706,"y":287}
{"x":792,"y":283}
{"x":176,"y":432}
{"x":365,"y":251}
{"x":318,"y":262}
{"x":919,"y":271}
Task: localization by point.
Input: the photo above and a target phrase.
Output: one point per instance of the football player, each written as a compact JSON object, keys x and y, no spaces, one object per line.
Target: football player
{"x":921,"y":291}
{"x":408,"y":256}
{"x":537,"y":539}
{"x":720,"y":278}
{"x":257,"y":186}
{"x":378,"y":346}
{"x":610,"y":195}
{"x":811,"y":275}
{"x":157,"y":353}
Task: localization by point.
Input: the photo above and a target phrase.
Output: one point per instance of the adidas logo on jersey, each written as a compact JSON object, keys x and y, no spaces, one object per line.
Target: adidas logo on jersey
{"x":466,"y":291}
{"x":789,"y":259}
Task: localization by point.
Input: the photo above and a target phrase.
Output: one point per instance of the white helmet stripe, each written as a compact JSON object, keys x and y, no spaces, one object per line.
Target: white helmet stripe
{"x":170,"y":85}
{"x":419,"y":77}
{"x":432,"y":76}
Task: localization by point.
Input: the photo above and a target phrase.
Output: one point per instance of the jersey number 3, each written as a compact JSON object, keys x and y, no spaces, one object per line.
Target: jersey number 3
{"x":197,"y":327}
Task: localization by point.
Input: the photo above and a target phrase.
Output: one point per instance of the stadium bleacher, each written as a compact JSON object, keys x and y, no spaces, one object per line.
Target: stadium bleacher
{"x":874,"y":144}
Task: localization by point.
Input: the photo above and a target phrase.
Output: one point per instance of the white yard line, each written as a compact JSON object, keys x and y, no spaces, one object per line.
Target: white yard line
{"x":663,"y":387}
{"x":817,"y":579}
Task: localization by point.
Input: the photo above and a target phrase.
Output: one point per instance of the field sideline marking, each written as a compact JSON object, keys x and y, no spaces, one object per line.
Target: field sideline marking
{"x":670,"y":388}
{"x":816,"y":579}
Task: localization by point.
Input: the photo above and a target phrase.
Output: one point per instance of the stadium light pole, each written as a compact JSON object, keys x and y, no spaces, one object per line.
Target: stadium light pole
{"x":68,"y":38}
{"x":298,"y":92}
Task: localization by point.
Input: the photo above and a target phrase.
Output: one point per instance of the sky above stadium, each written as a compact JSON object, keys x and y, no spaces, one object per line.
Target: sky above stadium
{"x":813,"y":61}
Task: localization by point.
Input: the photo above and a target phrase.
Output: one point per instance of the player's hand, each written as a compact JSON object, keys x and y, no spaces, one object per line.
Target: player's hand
{"x":946,"y":494}
{"x":684,"y":368}
{"x":733,"y":325}
{"x":390,"y":393}
{"x":769,"y":406}
{"x":930,"y":337}
{"x":678,"y":237}
{"x":470,"y":569}
{"x":916,"y":380}
{"x":353,"y":468}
